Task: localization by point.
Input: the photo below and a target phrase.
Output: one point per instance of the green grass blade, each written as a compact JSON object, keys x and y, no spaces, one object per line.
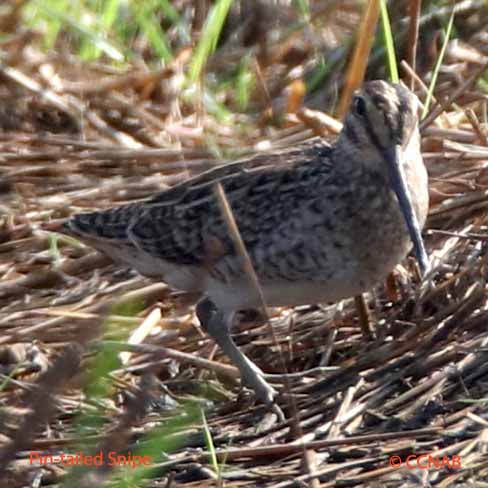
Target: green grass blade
{"x":389,"y":44}
{"x":438,"y":64}
{"x":169,"y":11}
{"x":303,"y":7}
{"x":173,"y":15}
{"x":106,"y":16}
{"x":244,"y":84}
{"x":151,"y":27}
{"x":89,"y":34}
{"x":210,"y":445}
{"x":211,"y":32}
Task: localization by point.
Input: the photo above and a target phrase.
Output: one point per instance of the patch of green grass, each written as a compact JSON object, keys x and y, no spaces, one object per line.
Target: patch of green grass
{"x":303,"y":6}
{"x":106,"y":16}
{"x":53,"y":240}
{"x":88,"y":26}
{"x":483,"y":83}
{"x":107,"y":28}
{"x":244,"y":83}
{"x":144,"y":14}
{"x":155,"y":448}
{"x":210,"y":36}
{"x":174,"y":17}
{"x":7,"y":378}
{"x":324,"y":67}
{"x":99,"y":383}
{"x":98,"y":392}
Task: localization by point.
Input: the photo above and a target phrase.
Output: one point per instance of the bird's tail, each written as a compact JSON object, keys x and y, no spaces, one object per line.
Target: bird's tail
{"x":106,"y":225}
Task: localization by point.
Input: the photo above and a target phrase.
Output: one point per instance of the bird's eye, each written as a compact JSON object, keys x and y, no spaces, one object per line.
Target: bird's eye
{"x":359,"y":106}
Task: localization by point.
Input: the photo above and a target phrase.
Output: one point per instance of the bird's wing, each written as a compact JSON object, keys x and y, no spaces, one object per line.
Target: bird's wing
{"x":185,"y":225}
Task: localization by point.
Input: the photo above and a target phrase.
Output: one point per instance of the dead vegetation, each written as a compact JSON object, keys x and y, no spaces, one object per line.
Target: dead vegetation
{"x":77,"y":135}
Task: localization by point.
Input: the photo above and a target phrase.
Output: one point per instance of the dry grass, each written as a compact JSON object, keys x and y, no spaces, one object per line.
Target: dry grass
{"x":81,"y":136}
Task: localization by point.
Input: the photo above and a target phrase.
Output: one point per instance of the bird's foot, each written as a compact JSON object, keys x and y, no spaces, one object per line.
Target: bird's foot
{"x":263,"y":390}
{"x":254,"y":378}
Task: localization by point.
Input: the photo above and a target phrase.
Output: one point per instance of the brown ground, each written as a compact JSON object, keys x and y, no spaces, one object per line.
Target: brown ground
{"x":79,"y":136}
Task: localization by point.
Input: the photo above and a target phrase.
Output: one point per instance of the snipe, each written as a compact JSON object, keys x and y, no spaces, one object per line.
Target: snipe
{"x":320,"y":222}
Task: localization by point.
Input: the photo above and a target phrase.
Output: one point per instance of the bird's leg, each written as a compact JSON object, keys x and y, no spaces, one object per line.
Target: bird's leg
{"x":364,"y":317}
{"x":218,"y":327}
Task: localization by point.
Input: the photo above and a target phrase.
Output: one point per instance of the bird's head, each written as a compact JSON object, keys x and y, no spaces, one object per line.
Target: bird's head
{"x":381,"y":128}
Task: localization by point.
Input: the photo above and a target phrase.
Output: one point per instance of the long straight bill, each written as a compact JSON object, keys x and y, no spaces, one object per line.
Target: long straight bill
{"x":399,"y":183}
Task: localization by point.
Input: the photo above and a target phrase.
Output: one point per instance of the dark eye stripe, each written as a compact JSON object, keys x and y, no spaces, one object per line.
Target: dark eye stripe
{"x":403,"y":111}
{"x":371,"y":92}
{"x":371,"y":133}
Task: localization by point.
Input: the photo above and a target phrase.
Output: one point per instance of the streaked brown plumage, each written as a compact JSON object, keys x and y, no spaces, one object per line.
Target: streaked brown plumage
{"x":320,"y":222}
